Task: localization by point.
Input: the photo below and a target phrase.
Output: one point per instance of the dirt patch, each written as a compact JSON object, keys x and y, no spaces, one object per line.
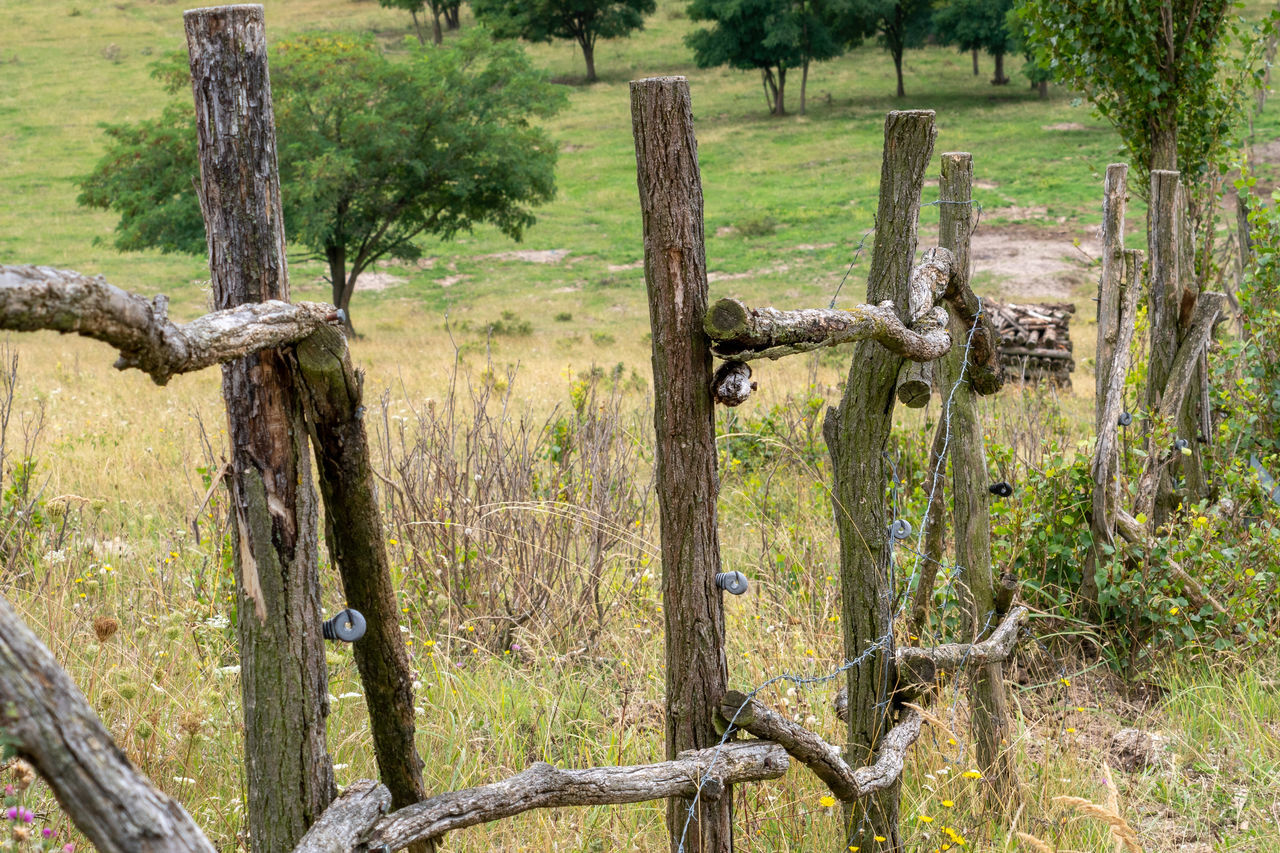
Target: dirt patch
{"x":634,"y":265}
{"x":1065,"y":126}
{"x":813,"y":247}
{"x":726,"y":231}
{"x":451,"y":280}
{"x":981,"y":185}
{"x":713,"y":277}
{"x":378,"y":281}
{"x":531,"y":256}
{"x":1033,"y":263}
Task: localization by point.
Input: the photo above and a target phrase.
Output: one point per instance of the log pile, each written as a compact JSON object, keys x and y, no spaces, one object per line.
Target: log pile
{"x":1035,"y":340}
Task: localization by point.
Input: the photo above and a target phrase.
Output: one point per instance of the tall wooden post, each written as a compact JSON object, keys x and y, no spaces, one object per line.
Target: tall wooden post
{"x":1164,"y":227}
{"x":987,"y":701}
{"x":675,"y":271}
{"x":857,"y":435}
{"x":1111,"y":330}
{"x":283,"y":677}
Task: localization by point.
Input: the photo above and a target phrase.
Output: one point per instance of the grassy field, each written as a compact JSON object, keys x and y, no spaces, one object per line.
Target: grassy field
{"x":121,"y":466}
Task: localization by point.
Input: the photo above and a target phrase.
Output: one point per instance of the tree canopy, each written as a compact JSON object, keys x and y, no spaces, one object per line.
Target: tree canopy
{"x":584,"y":21}
{"x":373,"y":154}
{"x":977,"y":25}
{"x":898,"y":24}
{"x":771,"y":35}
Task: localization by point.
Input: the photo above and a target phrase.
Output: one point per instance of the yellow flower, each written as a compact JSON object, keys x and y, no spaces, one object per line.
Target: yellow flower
{"x":881,"y":839}
{"x":946,"y":804}
{"x":1066,"y":682}
{"x":971,"y":774}
{"x":393,"y":542}
{"x":827,"y":801}
{"x":924,"y":818}
{"x":1071,"y":731}
{"x":1173,"y":611}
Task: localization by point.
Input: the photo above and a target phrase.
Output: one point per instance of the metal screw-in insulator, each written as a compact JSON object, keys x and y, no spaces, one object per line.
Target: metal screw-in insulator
{"x":900,"y":529}
{"x":348,"y":626}
{"x":1125,"y":419}
{"x":732,"y":582}
{"x":1001,"y":489}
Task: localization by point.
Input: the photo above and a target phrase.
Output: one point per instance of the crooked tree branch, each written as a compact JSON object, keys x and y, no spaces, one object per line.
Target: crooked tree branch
{"x":741,"y":333}
{"x":543,"y":786}
{"x":917,"y":667}
{"x":34,"y":298}
{"x":823,"y":758}
{"x":1137,"y":534}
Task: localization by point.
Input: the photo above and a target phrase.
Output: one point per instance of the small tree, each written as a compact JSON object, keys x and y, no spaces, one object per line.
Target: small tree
{"x":898,"y":24}
{"x":413,"y":7}
{"x":973,"y":25}
{"x":584,"y":21}
{"x":771,"y":35}
{"x":373,"y":153}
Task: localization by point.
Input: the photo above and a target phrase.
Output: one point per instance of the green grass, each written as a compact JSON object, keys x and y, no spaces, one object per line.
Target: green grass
{"x":788,"y":200}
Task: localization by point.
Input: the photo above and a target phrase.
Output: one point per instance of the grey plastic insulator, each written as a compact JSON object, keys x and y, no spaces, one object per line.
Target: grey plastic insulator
{"x":900,"y":529}
{"x":732,"y":582}
{"x":342,"y":316}
{"x":348,"y":626}
{"x":1125,"y":419}
{"x":1181,"y":444}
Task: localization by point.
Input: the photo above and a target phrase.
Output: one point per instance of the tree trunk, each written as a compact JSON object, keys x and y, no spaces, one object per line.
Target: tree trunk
{"x":857,"y":435}
{"x":333,"y":393}
{"x":589,"y":54}
{"x":417,"y":27}
{"x":779,"y":102}
{"x":437,"y":34}
{"x":684,"y":419}
{"x":804,"y":83}
{"x":451,"y":16}
{"x":972,"y":519}
{"x":975,"y":62}
{"x":897,"y":67}
{"x":283,"y":678}
{"x":1162,"y":135}
{"x":341,"y":285}
{"x":1043,"y":88}
{"x":999,"y":79}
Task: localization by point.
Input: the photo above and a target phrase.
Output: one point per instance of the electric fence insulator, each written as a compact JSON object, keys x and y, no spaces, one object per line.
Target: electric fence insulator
{"x":348,"y":626}
{"x":734,"y":583}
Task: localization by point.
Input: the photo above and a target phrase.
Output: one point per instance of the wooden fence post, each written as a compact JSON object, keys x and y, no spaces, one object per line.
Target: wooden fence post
{"x":987,"y":701}
{"x":675,"y":272}
{"x":1164,"y":223}
{"x":1115,"y":332}
{"x":857,"y":434}
{"x":283,"y":677}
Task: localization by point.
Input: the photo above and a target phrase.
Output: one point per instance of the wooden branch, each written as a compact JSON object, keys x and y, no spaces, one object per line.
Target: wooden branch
{"x":915,"y":383}
{"x":543,"y":786}
{"x":33,"y":298}
{"x":948,"y":657}
{"x":348,"y":818}
{"x":731,"y":385}
{"x":1183,"y":367}
{"x":1131,"y":530}
{"x":48,"y":722}
{"x":743,"y":334}
{"x":823,"y":758}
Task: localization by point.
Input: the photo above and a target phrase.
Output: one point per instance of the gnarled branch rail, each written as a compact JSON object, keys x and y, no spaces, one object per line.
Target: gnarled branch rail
{"x":819,"y":756}
{"x":543,"y":786}
{"x":34,"y":298}
{"x":948,"y":657}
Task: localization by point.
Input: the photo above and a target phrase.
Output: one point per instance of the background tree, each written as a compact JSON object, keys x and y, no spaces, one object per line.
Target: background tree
{"x":898,"y":25}
{"x":584,"y":21}
{"x":973,"y":25}
{"x":373,"y":153}
{"x":771,"y":35}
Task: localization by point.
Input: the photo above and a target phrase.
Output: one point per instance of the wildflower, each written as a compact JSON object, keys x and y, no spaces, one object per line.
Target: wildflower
{"x":1066,"y":682}
{"x":924,"y":818}
{"x":48,"y":832}
{"x":1071,"y":731}
{"x":971,"y":774}
{"x":104,"y":627}
{"x":1173,"y":611}
{"x":881,"y":839}
{"x":827,"y":802}
{"x":946,"y":804}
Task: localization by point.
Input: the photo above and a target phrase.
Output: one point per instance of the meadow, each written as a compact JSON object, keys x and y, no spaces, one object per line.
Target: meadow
{"x":520,"y":353}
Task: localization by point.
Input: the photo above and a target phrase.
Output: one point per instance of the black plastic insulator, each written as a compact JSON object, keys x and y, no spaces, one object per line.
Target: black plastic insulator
{"x":732,"y":582}
{"x":1000,"y":489}
{"x":1125,"y":419}
{"x":900,"y":529}
{"x":348,"y":626}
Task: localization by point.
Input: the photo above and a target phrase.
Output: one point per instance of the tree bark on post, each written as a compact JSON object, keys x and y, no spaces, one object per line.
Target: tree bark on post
{"x":972,"y":519}
{"x":1163,"y":238}
{"x":283,"y":677}
{"x":675,"y":272}
{"x":1112,"y":321}
{"x":333,"y":393}
{"x":857,"y":434}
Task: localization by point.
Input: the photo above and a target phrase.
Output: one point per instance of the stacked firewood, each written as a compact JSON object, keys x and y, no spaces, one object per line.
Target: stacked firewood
{"x":1035,"y":340}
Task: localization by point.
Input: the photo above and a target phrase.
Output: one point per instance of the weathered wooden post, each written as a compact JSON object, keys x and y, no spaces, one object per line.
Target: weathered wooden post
{"x":988,"y":704}
{"x":1164,"y":298}
{"x":857,"y":434}
{"x":675,"y":272}
{"x":283,"y":678}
